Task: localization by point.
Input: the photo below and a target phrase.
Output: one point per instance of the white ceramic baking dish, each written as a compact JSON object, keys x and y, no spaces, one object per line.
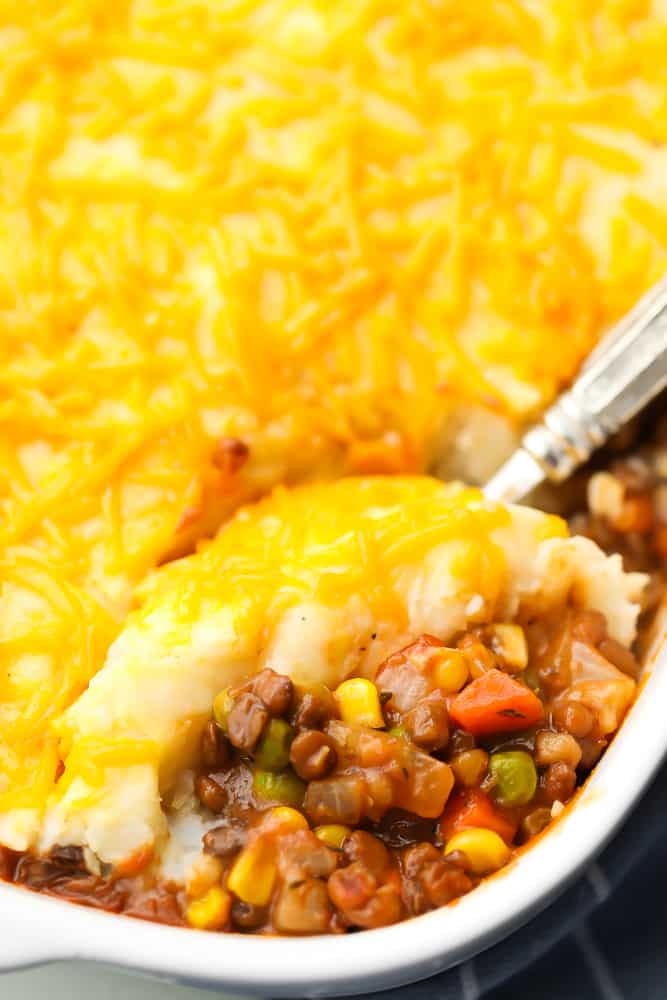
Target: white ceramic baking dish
{"x":36,"y":929}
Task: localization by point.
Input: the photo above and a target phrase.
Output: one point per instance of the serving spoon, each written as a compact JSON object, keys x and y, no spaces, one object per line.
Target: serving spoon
{"x":624,"y":373}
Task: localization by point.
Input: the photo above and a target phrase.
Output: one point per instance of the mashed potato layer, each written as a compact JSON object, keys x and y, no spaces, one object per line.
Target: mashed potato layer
{"x":319,"y":583}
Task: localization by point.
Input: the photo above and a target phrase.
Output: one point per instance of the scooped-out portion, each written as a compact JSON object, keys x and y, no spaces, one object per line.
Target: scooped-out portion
{"x":347,"y":708}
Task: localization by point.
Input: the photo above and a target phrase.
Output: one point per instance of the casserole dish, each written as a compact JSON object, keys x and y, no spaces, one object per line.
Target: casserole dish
{"x":36,"y":929}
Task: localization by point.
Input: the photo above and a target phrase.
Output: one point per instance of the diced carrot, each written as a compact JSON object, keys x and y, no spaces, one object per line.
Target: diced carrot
{"x":495,"y":703}
{"x":472,"y":808}
{"x":135,"y":863}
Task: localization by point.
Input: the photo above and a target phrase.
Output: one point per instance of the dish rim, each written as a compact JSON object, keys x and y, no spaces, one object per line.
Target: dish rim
{"x":332,"y":965}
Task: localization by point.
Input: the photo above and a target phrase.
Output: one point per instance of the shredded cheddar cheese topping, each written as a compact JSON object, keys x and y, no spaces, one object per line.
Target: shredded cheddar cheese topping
{"x":288,"y":565}
{"x":320,"y":228}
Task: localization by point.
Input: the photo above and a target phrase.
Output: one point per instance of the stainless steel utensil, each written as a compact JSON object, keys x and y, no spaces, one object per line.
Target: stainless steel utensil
{"x":626,"y":370}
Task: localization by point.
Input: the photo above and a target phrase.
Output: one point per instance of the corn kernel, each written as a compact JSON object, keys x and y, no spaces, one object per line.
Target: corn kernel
{"x":484,"y":849}
{"x":286,"y":819}
{"x":333,"y":835}
{"x":211,"y":912}
{"x":469,"y":766}
{"x":253,"y":874}
{"x":509,"y":644}
{"x":359,"y":703}
{"x":451,"y":671}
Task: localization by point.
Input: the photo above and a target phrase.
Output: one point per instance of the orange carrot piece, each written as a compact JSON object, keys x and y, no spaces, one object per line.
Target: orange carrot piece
{"x":472,"y":808}
{"x":495,"y":703}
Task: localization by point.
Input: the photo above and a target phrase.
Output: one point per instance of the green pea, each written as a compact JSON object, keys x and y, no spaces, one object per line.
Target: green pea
{"x":516,"y":777}
{"x":272,"y":754}
{"x":398,"y":732}
{"x":284,"y":787}
{"x":222,"y":706}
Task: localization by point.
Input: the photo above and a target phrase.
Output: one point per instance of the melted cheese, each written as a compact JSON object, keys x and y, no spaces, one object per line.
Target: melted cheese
{"x":319,"y":227}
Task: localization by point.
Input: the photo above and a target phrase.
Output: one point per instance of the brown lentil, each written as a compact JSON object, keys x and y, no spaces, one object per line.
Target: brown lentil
{"x":367,"y":850}
{"x":312,"y":754}
{"x":430,"y":880}
{"x":559,"y":782}
{"x":303,"y":855}
{"x":469,"y":766}
{"x":362,"y":901}
{"x":460,"y":740}
{"x":314,"y":706}
{"x":427,"y":724}
{"x":274,"y":691}
{"x":351,"y":887}
{"x":444,"y":881}
{"x":246,"y":722}
{"x":210,"y":793}
{"x":573,"y":717}
{"x":551,"y":747}
{"x":247,"y":917}
{"x":215,"y":752}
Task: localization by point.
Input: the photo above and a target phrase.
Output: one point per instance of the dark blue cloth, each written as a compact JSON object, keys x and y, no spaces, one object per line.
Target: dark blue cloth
{"x":603,"y":939}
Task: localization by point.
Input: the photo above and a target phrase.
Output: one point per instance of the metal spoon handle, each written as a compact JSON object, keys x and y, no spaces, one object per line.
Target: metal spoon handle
{"x":627,"y":369}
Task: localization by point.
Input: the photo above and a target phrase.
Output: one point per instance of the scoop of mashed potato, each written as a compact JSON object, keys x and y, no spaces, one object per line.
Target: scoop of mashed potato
{"x":319,"y":582}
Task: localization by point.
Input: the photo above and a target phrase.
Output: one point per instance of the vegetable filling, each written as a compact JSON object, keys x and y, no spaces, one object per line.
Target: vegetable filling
{"x":333,"y":810}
